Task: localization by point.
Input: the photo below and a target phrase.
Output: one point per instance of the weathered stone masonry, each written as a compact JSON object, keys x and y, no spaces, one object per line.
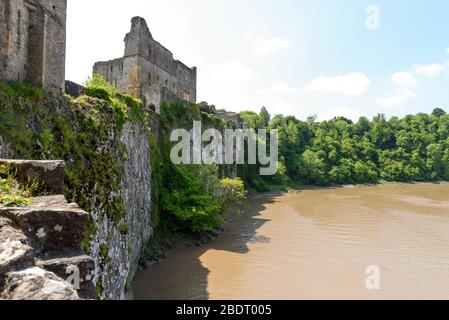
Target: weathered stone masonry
{"x":33,"y":42}
{"x":40,"y":244}
{"x":148,"y":70}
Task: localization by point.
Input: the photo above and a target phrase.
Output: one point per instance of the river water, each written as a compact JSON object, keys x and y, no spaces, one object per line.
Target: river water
{"x":319,"y":244}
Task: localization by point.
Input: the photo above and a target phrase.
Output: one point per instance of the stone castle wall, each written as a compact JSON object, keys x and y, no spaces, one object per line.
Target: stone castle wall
{"x":33,"y":42}
{"x":135,"y":188}
{"x":148,"y":69}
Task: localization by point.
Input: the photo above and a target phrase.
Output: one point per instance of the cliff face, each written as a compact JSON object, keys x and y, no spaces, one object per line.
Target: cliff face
{"x":108,"y":170}
{"x":124,"y":243}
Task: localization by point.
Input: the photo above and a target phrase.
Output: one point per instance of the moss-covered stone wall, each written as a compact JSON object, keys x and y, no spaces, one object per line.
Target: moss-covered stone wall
{"x":106,"y":146}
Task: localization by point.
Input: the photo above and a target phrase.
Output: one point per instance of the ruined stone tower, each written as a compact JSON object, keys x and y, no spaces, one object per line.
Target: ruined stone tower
{"x":33,"y":42}
{"x":148,"y":70}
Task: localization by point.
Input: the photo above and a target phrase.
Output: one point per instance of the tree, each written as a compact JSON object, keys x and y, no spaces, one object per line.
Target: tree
{"x":313,"y":168}
{"x":264,"y":117}
{"x":438,"y":112}
{"x":362,"y":126}
{"x":252,"y":119}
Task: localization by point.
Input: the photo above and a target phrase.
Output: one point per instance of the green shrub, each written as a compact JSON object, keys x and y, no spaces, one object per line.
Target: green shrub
{"x":188,"y":200}
{"x":124,"y":228}
{"x":98,"y":92}
{"x":46,"y":139}
{"x":98,"y":81}
{"x":13,"y":193}
{"x":21,"y":89}
{"x":232,"y":191}
{"x":123,"y":105}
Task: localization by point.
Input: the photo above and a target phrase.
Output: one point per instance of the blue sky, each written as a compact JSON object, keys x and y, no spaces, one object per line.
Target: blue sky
{"x":294,"y":57}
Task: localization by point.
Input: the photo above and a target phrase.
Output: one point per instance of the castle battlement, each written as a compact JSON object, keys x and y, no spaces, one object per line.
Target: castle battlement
{"x":33,"y":42}
{"x":148,"y":70}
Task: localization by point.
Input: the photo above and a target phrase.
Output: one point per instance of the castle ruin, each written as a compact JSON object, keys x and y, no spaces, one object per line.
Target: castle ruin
{"x":33,"y":42}
{"x":148,"y":70}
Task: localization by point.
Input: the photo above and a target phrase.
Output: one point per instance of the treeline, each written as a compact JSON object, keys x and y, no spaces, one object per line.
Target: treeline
{"x":339,"y":151}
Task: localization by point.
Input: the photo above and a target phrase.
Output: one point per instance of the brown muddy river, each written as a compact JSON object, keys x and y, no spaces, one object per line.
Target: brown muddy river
{"x":318,"y":244}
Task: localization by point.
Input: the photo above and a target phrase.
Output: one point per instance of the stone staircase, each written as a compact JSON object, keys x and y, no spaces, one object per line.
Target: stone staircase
{"x":40,"y":243}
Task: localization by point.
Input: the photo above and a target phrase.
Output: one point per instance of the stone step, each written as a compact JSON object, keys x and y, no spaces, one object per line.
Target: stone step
{"x":50,"y":222}
{"x":36,"y":284}
{"x":75,"y":267}
{"x":15,"y":252}
{"x":49,"y":174}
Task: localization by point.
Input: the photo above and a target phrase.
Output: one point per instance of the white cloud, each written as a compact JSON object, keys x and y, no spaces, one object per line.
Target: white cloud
{"x":282,"y":87}
{"x":234,"y":72}
{"x":400,"y":97}
{"x":404,"y":79}
{"x":352,"y":84}
{"x":267,"y":46}
{"x":447,"y":50}
{"x":428,"y":70}
{"x":346,"y":112}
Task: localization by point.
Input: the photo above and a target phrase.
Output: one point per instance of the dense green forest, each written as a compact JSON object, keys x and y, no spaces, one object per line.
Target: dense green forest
{"x":339,"y":151}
